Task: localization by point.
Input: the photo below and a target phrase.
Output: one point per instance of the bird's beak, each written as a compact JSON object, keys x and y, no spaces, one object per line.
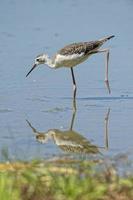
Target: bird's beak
{"x":34,"y":66}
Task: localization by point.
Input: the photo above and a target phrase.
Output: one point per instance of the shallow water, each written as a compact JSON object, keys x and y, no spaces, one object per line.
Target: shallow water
{"x":44,"y":98}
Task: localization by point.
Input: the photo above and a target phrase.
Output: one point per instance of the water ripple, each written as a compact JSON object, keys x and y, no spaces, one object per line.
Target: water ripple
{"x":6,"y":110}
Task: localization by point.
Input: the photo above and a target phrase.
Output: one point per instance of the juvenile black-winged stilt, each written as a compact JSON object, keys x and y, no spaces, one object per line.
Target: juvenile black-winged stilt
{"x":74,"y":54}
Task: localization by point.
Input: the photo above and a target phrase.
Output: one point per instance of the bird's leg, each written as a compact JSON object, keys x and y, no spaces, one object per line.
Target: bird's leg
{"x":106,"y":67}
{"x":106,"y":129}
{"x":73,"y":119}
{"x":74,"y":105}
{"x":74,"y":84}
{"x":106,"y":71}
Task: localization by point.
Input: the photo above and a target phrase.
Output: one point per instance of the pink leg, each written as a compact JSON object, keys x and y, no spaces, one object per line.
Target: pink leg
{"x":106,"y":66}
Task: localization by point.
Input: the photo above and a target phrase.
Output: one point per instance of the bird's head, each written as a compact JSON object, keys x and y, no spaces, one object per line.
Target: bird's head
{"x":40,"y":59}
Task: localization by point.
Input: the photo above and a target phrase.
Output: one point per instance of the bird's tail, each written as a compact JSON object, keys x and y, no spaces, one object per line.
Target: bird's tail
{"x":102,"y":40}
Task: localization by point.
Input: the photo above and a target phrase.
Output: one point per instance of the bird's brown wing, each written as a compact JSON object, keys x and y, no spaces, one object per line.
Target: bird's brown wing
{"x":78,"y":48}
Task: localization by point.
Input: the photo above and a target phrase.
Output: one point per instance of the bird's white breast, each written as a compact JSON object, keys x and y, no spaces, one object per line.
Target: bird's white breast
{"x":69,"y":60}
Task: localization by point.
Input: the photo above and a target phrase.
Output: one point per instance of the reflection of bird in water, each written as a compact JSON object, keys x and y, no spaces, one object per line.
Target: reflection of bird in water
{"x":74,"y":54}
{"x":69,"y":140}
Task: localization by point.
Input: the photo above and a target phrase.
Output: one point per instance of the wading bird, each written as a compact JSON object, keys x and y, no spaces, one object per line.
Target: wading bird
{"x":74,"y":54}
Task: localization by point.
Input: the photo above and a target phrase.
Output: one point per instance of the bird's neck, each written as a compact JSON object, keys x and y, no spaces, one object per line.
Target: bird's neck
{"x":49,"y":62}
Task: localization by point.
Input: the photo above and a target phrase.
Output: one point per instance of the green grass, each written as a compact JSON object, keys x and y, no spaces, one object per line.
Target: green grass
{"x":58,"y":181}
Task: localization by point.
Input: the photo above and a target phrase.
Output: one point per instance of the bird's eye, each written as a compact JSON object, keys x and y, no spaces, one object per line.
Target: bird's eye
{"x":37,"y":59}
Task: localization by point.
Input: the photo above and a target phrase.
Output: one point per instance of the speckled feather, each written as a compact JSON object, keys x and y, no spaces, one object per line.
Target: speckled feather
{"x":78,"y":48}
{"x":83,"y":47}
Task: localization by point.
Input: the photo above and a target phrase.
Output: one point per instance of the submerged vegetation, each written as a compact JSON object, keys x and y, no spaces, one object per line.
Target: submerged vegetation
{"x":64,"y":180}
